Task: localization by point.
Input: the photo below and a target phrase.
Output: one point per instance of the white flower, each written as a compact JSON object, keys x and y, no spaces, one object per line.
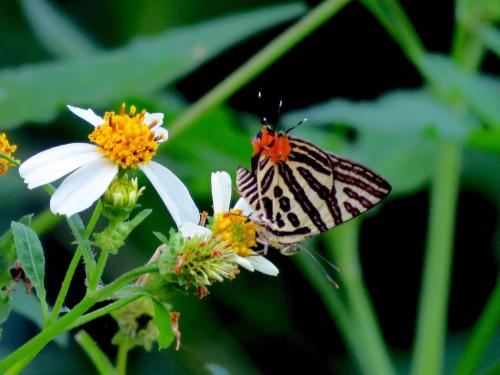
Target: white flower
{"x":121,"y":140}
{"x":221,"y":197}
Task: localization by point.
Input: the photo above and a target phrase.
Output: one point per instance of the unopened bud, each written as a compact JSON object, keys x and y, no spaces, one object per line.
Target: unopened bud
{"x":121,"y":198}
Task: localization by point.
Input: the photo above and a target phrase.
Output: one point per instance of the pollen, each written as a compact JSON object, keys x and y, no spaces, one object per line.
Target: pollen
{"x":236,"y":230}
{"x":125,"y":139}
{"x":6,"y":150}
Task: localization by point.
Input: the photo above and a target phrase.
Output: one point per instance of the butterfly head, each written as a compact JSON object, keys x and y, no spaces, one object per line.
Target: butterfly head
{"x":271,"y":144}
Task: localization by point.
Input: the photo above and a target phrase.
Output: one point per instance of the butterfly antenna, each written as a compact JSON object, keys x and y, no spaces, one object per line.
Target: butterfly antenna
{"x":278,"y":113}
{"x":263,"y":119}
{"x":298,"y":124}
{"x":314,"y":256}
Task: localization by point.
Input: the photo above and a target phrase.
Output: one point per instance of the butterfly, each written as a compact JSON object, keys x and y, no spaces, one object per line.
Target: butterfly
{"x":297,"y":190}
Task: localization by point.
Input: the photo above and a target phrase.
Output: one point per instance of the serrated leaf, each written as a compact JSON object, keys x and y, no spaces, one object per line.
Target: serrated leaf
{"x":38,"y":92}
{"x":162,"y":318}
{"x":30,"y":253}
{"x":57,"y":33}
{"x":481,"y":92}
{"x":409,"y":112}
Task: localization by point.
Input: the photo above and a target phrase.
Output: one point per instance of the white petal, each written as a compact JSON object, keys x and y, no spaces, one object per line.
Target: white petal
{"x":83,"y":187}
{"x":243,"y":262}
{"x":87,"y":114}
{"x":194,"y":230}
{"x":52,"y":164}
{"x":161,"y":134}
{"x":221,"y":191}
{"x":263,"y":265}
{"x":149,"y":118}
{"x":173,"y":193}
{"x":243,"y":205}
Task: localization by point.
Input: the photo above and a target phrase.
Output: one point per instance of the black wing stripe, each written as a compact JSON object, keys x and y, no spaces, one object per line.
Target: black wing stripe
{"x":310,"y":149}
{"x":350,"y":180}
{"x":362,"y":200}
{"x":324,"y":193}
{"x":281,"y":233}
{"x":351,"y":209}
{"x":301,"y":197}
{"x":310,"y":162}
{"x":267,"y":180}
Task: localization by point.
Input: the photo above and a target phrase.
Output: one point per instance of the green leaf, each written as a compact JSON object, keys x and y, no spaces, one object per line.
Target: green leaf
{"x":162,"y":318}
{"x":5,"y":304}
{"x":8,"y":254}
{"x":30,"y":253}
{"x":409,"y":112}
{"x":486,"y":139}
{"x":481,"y":92}
{"x":58,"y":34}
{"x":38,"y":92}
{"x":490,"y":36}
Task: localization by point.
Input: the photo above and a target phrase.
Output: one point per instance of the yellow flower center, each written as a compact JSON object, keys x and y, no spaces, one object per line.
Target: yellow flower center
{"x":125,"y":139}
{"x":6,"y":149}
{"x":236,"y":230}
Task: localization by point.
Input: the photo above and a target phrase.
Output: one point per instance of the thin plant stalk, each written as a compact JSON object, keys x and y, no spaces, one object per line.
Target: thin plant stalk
{"x":38,"y":342}
{"x":96,"y":355}
{"x":258,"y":63}
{"x":481,"y":334}
{"x":344,"y":248}
{"x":121,"y":357}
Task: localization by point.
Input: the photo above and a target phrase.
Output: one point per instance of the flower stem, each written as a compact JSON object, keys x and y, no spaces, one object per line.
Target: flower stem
{"x":431,"y":318}
{"x":101,"y":263}
{"x":96,"y":355}
{"x":93,"y":219}
{"x":258,"y":63}
{"x":44,"y":221}
{"x":121,"y":357}
{"x":481,"y":334}
{"x":10,"y":160}
{"x":103,"y":311}
{"x":66,"y":284}
{"x":38,"y":342}
{"x":336,"y":307}
{"x":345,"y":250}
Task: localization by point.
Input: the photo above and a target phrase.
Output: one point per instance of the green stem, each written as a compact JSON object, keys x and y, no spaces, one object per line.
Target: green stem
{"x":432,"y":312}
{"x":396,"y":22}
{"x":38,"y":342}
{"x":336,"y":307}
{"x":12,"y":161}
{"x":344,"y":249}
{"x":66,"y":283}
{"x":101,"y":263}
{"x":76,"y":226}
{"x":483,"y":331}
{"x":121,"y":357}
{"x":93,"y":219}
{"x":96,"y":355}
{"x":103,"y":311}
{"x":258,"y":63}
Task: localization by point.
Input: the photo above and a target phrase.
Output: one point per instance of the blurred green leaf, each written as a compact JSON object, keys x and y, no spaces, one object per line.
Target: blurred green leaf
{"x":480,"y":92}
{"x":5,"y":303}
{"x":58,"y":34}
{"x":30,"y":253}
{"x":27,"y":306}
{"x":490,"y":36}
{"x":486,"y":139}
{"x":409,"y":112}
{"x":162,"y":318}
{"x":38,"y":92}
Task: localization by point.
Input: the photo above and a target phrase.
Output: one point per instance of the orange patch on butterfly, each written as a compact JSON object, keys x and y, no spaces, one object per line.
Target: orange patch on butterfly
{"x":272,"y":145}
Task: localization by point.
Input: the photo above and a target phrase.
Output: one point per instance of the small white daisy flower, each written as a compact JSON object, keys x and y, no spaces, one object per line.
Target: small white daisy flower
{"x":232,"y":225}
{"x":124,"y":140}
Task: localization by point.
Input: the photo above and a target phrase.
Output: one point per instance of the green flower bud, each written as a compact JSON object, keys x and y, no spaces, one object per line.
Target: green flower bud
{"x":121,"y":198}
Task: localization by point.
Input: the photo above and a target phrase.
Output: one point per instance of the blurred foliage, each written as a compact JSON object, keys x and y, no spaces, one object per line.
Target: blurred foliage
{"x":98,"y":55}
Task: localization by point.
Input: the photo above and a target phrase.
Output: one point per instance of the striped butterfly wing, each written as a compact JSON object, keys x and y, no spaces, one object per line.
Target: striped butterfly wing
{"x":307,"y":194}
